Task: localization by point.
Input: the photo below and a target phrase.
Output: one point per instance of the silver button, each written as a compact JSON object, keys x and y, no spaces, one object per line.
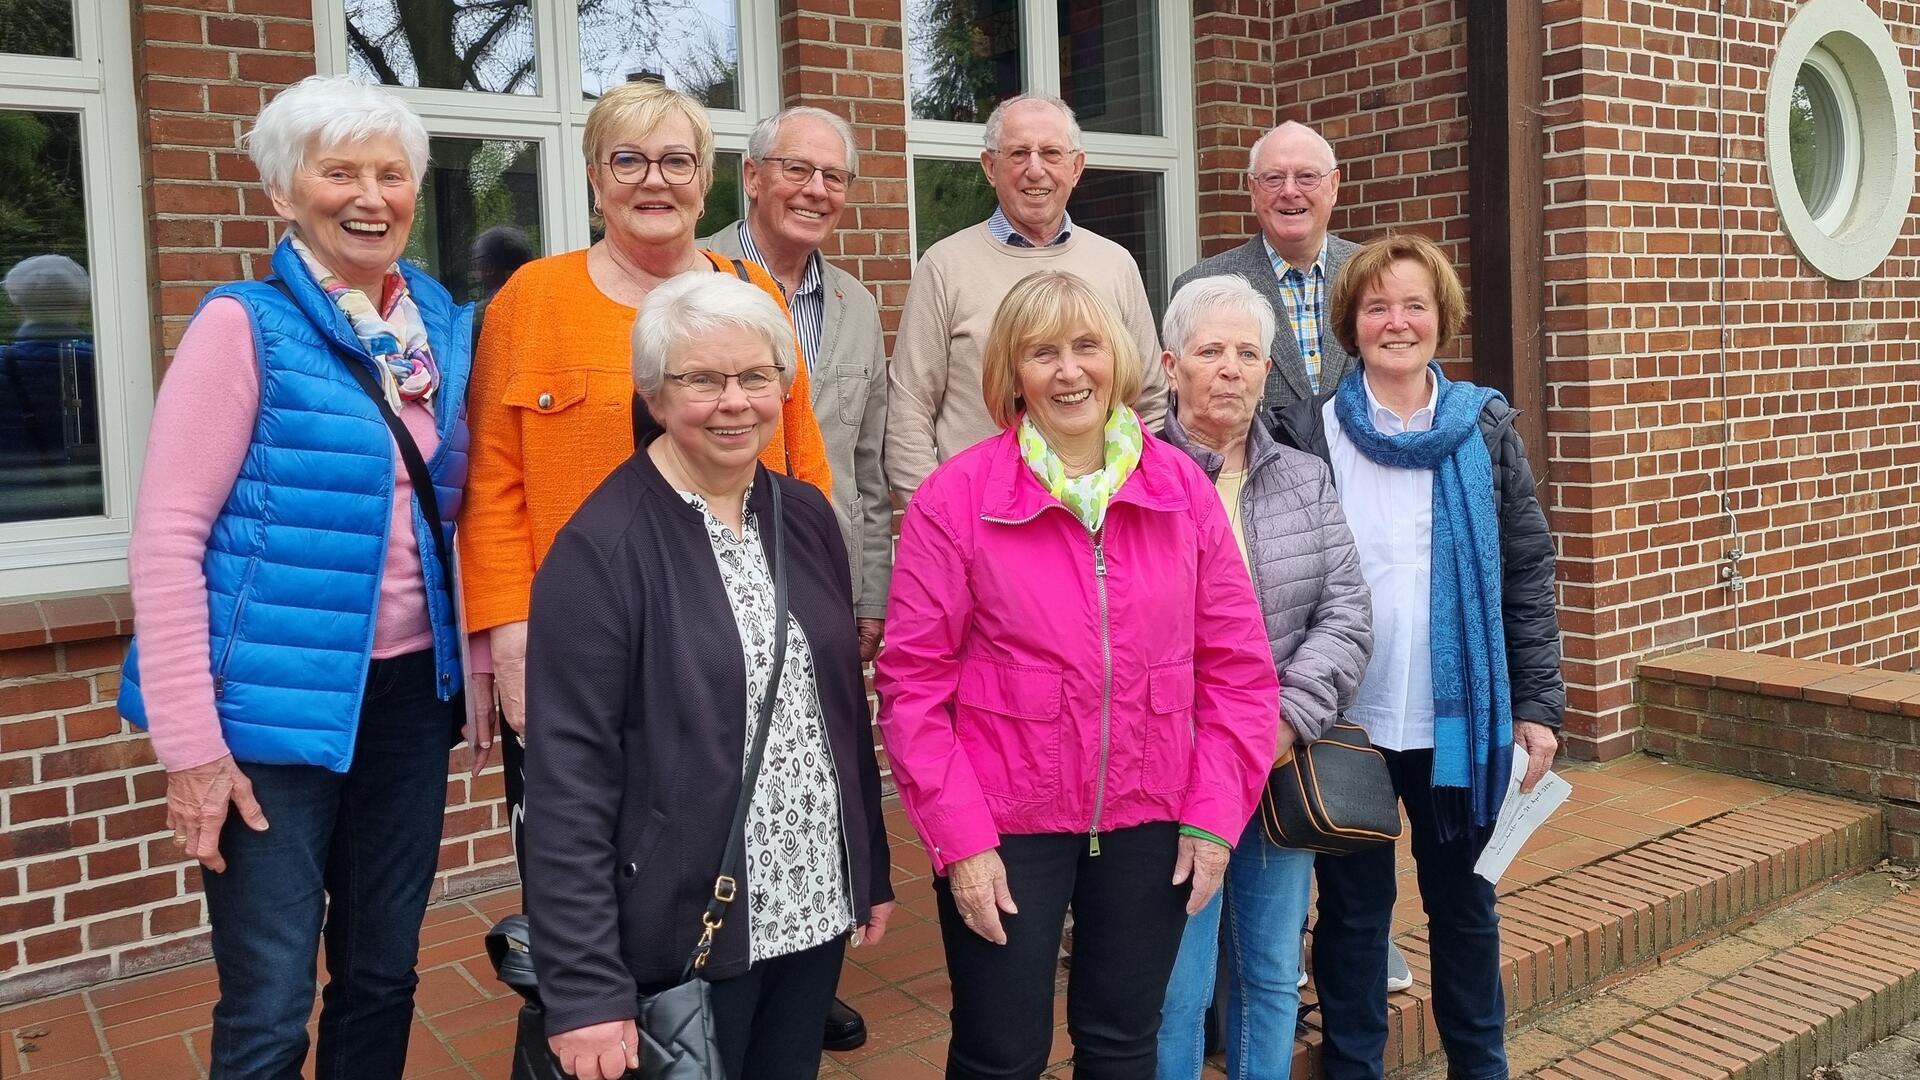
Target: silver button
{"x":546,"y":401}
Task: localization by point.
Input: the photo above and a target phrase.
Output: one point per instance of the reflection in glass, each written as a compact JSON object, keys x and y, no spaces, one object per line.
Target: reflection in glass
{"x":36,"y":27}
{"x":947,"y":196}
{"x":691,"y":45}
{"x":1109,"y":64}
{"x":1125,"y":207}
{"x":479,"y":216}
{"x":962,"y":57}
{"x":49,"y":405}
{"x":1813,"y":139}
{"x":726,"y":200}
{"x":444,"y":44}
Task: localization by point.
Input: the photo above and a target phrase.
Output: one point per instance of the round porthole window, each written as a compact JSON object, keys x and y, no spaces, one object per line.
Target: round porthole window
{"x":1840,"y":138}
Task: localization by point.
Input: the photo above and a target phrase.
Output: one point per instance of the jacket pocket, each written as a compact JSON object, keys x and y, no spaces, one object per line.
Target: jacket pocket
{"x":632,"y":869}
{"x":576,"y":401}
{"x":853,"y":389}
{"x":1167,"y":746}
{"x":1008,"y":721}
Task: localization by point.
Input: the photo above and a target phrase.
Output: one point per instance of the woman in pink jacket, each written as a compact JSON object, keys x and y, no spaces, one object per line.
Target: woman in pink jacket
{"x":1077,"y":695}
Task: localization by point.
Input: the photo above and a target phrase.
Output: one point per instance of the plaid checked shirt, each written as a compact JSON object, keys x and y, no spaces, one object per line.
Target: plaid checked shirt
{"x":1305,"y":296}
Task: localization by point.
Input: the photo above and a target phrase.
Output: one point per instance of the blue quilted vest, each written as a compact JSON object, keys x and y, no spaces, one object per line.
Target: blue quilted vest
{"x":294,"y":562}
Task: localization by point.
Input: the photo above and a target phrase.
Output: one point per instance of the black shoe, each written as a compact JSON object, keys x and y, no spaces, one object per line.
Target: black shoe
{"x":845,"y":1029}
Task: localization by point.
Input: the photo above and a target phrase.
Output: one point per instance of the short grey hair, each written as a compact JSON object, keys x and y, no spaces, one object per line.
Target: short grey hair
{"x":1221,"y":292}
{"x":760,"y":143}
{"x":998,"y":119}
{"x":1253,"y":153}
{"x":323,"y":111}
{"x":688,"y":307}
{"x":43,"y":285}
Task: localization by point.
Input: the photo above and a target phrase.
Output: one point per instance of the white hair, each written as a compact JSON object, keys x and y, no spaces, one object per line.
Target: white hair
{"x":1253,"y":154}
{"x":45,"y":285}
{"x":1220,"y":293}
{"x":760,"y":143}
{"x":324,"y":111}
{"x":998,"y":119}
{"x":690,"y":306}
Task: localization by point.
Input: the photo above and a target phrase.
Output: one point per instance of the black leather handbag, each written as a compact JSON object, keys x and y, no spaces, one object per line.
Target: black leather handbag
{"x":677,"y":1039}
{"x":1332,"y":795}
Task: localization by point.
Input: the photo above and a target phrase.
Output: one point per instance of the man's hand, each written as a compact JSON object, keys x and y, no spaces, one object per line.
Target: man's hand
{"x":598,"y":1051}
{"x":197,"y":801}
{"x":1206,"y":863}
{"x":979,"y":885}
{"x":1540,"y":744}
{"x":481,"y":729}
{"x":870,"y":630}
{"x":509,"y":643}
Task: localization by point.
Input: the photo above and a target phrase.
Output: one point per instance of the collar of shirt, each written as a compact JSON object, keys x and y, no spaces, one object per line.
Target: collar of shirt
{"x":810,"y":278}
{"x":1002,"y":230}
{"x":1388,"y":422}
{"x":1281,"y":266}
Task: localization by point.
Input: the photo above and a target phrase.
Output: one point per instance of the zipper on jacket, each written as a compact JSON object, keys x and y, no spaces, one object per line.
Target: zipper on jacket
{"x":1106,"y":687}
{"x":233,"y":632}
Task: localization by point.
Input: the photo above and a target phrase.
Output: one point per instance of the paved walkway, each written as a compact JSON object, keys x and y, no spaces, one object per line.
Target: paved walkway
{"x":1896,"y":1057}
{"x":156,"y":1027}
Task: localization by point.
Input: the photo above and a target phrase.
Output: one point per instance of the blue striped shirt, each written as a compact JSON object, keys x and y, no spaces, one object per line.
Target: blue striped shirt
{"x":808,"y":303}
{"x":1305,"y":295}
{"x":1002,"y":230}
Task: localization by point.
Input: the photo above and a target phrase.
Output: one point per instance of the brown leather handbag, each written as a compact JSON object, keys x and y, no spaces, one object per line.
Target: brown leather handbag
{"x":1332,"y":795}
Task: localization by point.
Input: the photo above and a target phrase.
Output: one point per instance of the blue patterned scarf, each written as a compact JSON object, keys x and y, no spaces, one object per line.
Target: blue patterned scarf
{"x":1472,"y":699}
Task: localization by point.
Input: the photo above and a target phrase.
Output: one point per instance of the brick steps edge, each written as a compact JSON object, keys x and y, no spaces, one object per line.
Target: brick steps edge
{"x":1838,"y":991}
{"x":1622,"y":914}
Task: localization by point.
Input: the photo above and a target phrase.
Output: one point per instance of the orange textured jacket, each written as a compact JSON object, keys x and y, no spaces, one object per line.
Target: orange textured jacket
{"x":551,"y":413}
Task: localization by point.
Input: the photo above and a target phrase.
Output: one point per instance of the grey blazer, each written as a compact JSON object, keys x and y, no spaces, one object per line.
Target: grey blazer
{"x":1287,"y":383}
{"x":849,"y":380}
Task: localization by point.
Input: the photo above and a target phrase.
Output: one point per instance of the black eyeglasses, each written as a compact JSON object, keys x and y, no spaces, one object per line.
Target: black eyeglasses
{"x":632,"y":166}
{"x":703,"y":385}
{"x":799,"y":173}
{"x":1305,"y":179}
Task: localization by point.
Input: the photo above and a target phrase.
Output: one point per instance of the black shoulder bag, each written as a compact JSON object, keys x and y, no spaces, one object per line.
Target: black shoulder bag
{"x":677,"y":1040}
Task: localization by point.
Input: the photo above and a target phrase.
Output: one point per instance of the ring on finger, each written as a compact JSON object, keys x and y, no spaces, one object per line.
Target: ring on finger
{"x":180,"y":841}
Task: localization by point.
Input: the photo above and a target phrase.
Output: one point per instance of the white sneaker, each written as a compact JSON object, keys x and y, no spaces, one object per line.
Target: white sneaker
{"x":1303,"y":962}
{"x":1399,"y":975}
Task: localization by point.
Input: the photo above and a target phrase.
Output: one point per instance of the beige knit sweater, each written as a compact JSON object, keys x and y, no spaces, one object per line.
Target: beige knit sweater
{"x":935,"y":408}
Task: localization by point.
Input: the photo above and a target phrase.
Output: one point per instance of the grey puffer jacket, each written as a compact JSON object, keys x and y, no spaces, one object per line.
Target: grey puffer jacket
{"x":1306,"y":573}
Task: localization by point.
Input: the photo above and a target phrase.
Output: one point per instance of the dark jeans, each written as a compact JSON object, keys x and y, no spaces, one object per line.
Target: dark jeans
{"x":356,"y":850}
{"x":1127,"y":922}
{"x":1356,"y":922}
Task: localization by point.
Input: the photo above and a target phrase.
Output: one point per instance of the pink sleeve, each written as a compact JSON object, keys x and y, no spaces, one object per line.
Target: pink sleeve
{"x":479,"y":653}
{"x":203,"y":422}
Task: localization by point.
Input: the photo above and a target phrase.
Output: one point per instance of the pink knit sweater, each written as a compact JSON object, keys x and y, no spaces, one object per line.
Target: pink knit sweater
{"x":203,"y":423}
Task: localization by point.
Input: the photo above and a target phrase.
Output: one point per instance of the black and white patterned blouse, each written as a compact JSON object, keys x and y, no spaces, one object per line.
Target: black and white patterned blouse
{"x":796,"y":892}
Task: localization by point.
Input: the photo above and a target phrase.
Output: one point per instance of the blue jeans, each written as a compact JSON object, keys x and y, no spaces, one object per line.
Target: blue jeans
{"x":349,"y":856}
{"x":1356,"y":920}
{"x":1265,"y":899}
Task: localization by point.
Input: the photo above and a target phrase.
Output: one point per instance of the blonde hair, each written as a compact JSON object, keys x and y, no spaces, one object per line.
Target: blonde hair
{"x":640,"y":107}
{"x":1052,"y":304}
{"x":1364,"y":269}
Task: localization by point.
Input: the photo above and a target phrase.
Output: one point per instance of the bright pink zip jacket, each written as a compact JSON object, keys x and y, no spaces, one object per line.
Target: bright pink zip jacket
{"x":1037,"y":679}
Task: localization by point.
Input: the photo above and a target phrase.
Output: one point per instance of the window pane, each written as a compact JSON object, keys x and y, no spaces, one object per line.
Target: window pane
{"x":726,"y":202}
{"x":963,"y":56}
{"x":1110,"y":64}
{"x":444,"y":44}
{"x":49,"y":409}
{"x":479,"y":215}
{"x":1125,"y":207}
{"x":948,"y":196}
{"x":36,"y":27}
{"x":1815,"y":139}
{"x":691,"y":45}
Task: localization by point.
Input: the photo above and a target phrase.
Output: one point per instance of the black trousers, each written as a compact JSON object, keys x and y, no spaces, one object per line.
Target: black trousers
{"x":1127,"y":922}
{"x":768,"y":1020}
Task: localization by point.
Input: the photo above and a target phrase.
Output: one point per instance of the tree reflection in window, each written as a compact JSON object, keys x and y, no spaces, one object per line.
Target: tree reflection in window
{"x":691,"y":45}
{"x":963,"y":55}
{"x":36,"y":27}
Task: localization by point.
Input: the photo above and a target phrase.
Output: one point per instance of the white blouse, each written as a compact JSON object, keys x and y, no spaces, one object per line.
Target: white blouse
{"x":796,"y":886}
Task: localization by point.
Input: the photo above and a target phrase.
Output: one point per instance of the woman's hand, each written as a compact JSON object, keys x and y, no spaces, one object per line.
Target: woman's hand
{"x":979,"y":885}
{"x":1285,"y":741}
{"x":1540,"y":744}
{"x":197,"y":801}
{"x":509,"y":644}
{"x":1206,"y":863}
{"x":875,"y":928}
{"x":598,"y":1051}
{"x":481,"y":728}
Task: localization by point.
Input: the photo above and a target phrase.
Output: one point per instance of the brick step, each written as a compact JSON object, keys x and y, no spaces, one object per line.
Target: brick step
{"x":1624,"y":913}
{"x":1777,"y":1015}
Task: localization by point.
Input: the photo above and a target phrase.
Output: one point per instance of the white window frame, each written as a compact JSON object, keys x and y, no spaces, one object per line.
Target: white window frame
{"x":556,"y":118}
{"x":90,"y":553}
{"x":1170,"y":154}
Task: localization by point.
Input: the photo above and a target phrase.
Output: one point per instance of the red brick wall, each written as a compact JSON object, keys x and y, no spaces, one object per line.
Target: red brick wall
{"x":1233,"y":104}
{"x":1805,"y":424}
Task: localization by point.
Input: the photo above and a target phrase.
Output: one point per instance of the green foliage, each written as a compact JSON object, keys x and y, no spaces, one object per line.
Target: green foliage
{"x":948,"y":196}
{"x":42,"y":200}
{"x":36,"y":27}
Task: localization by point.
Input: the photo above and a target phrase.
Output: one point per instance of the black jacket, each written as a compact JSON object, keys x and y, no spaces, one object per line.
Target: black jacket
{"x":1528,"y":606}
{"x":637,"y":717}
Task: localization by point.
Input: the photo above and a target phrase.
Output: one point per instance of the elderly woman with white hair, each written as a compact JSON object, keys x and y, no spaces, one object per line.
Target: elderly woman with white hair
{"x":1306,"y":572}
{"x":297,"y":660}
{"x":690,"y":629}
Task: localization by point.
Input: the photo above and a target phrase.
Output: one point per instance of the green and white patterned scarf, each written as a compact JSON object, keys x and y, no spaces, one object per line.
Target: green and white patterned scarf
{"x":1086,"y":496}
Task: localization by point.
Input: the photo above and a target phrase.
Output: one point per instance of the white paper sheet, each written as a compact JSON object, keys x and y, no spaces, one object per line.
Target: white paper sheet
{"x":1519,"y":816}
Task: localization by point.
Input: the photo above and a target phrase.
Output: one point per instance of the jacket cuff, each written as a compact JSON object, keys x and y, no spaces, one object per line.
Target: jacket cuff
{"x":1202,"y":834}
{"x":957,"y":834}
{"x":1215,"y":811}
{"x":578,"y":1014}
{"x":870,"y":611}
